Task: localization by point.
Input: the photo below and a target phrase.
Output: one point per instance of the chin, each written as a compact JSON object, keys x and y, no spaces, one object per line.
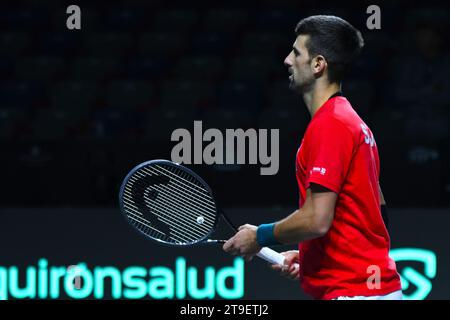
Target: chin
{"x":296,"y":87}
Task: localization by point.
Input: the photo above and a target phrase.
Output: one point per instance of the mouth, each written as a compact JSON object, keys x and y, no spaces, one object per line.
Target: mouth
{"x":291,"y":74}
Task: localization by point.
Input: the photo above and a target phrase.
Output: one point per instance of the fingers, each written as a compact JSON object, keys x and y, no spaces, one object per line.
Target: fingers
{"x":245,"y":226}
{"x":290,"y":257}
{"x":227,"y":245}
{"x":242,"y":243}
{"x":248,"y":258}
{"x":293,"y":272}
{"x":281,"y":268}
{"x":291,"y":268}
{"x":289,"y":260}
{"x":231,"y":249}
{"x":276,"y":267}
{"x":290,"y":272}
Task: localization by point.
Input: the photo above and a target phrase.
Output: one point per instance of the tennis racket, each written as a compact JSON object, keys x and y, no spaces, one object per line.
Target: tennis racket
{"x":171,"y":204}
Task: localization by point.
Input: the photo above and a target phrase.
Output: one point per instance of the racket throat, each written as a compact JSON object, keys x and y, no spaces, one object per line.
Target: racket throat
{"x":228,"y":221}
{"x":216,"y":241}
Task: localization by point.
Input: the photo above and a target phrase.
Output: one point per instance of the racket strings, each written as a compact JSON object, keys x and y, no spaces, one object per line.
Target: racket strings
{"x":179,"y":201}
{"x":138,"y":198}
{"x":143,"y":225}
{"x":177,"y":175}
{"x":206,"y":200}
{"x":172,"y":222}
{"x":178,"y":237}
{"x":168,"y":198}
{"x":184,"y":198}
{"x":204,"y":227}
{"x":189,"y":196}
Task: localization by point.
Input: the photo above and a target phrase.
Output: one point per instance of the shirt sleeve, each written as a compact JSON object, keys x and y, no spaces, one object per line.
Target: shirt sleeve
{"x":330,"y":153}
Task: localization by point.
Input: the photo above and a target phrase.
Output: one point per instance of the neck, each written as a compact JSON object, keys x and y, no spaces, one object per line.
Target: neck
{"x":319,"y":94}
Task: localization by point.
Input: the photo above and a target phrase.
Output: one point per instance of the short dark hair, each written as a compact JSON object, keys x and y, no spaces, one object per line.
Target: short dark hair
{"x":335,"y":39}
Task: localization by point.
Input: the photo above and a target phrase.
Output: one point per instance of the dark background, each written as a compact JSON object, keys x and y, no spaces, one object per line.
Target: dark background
{"x":80,"y":108}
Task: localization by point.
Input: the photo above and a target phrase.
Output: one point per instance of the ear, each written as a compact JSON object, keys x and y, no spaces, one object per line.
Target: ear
{"x":319,"y":65}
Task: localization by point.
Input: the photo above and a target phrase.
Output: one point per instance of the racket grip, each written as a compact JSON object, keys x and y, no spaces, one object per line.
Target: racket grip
{"x":271,"y":256}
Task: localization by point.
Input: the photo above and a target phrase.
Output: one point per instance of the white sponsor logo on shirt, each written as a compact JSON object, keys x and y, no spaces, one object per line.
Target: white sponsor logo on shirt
{"x":322,"y":171}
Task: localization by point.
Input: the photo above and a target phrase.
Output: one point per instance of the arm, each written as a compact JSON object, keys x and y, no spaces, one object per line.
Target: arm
{"x":333,"y":149}
{"x":382,"y":201}
{"x":384,"y":214}
{"x":312,"y":220}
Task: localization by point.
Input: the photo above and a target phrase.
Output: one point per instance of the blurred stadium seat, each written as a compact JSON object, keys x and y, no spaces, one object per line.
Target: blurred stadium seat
{"x":111,"y":123}
{"x":278,"y":19}
{"x":161,"y":44}
{"x":130,"y":95}
{"x":147,"y":69}
{"x":225,"y":20}
{"x":361,"y":95}
{"x":185,"y":94}
{"x":290,"y":120}
{"x":25,"y":18}
{"x":219,"y":44}
{"x":42,"y":69}
{"x":253,"y":67}
{"x":20,"y":94}
{"x":160,"y":123}
{"x":89,"y":68}
{"x":280,"y":96}
{"x":110,"y":44}
{"x":13,"y":44}
{"x":77,"y":94}
{"x":50,"y":125}
{"x":388,"y":126}
{"x":266,"y":43}
{"x":227,"y":119}
{"x":127,"y":19}
{"x":59,"y":43}
{"x":201,"y":67}
{"x":10,"y":119}
{"x":242,"y":95}
{"x":176,"y":20}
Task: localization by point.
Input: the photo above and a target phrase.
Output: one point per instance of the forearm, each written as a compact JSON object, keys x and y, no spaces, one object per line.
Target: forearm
{"x":384,"y":213}
{"x":311,"y":221}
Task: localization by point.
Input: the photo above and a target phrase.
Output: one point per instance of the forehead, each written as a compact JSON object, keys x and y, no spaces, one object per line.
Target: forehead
{"x":300,"y":42}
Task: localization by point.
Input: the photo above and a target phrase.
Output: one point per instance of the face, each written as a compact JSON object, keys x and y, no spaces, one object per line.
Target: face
{"x":299,"y":66}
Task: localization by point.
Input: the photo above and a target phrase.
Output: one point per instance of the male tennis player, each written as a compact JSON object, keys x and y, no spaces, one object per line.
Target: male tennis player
{"x":343,"y":241}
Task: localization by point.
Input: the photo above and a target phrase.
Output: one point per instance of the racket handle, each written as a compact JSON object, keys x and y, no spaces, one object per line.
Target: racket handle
{"x":271,"y":256}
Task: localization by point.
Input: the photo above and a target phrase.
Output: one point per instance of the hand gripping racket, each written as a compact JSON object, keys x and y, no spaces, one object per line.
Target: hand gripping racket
{"x":171,"y":204}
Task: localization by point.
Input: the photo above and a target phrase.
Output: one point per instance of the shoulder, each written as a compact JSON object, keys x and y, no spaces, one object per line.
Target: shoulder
{"x":330,"y":133}
{"x":339,"y":119}
{"x":329,"y":124}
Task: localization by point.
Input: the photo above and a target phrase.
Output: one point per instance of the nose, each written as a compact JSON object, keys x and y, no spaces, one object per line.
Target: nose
{"x":287,"y":61}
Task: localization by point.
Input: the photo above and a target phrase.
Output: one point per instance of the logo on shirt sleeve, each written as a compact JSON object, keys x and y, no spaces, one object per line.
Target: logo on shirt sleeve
{"x":320,"y":170}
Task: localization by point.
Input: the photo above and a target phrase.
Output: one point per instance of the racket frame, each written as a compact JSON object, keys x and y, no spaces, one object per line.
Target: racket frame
{"x":203,"y":240}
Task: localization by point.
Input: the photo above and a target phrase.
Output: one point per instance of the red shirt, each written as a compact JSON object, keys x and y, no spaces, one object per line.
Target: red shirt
{"x":339,"y":152}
